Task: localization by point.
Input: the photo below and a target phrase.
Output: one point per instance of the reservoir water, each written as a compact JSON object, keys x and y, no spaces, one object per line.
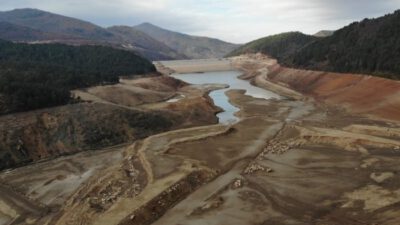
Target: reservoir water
{"x":219,"y":97}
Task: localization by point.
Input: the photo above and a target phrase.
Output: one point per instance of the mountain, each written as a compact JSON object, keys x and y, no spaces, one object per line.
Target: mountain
{"x":54,"y":23}
{"x":324,"y":33}
{"x":34,"y":25}
{"x":371,"y":46}
{"x":154,"y":43}
{"x":38,"y":76}
{"x":192,"y":46}
{"x":141,"y":42}
{"x":12,"y":32}
{"x":278,"y":46}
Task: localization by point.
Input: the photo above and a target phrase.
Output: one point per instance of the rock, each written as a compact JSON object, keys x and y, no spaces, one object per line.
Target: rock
{"x":95,"y":204}
{"x":253,"y":167}
{"x":274,"y":147}
{"x":238,"y":183}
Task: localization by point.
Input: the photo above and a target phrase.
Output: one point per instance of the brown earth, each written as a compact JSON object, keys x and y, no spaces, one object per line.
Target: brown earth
{"x":285,"y":162}
{"x":292,"y":161}
{"x":363,"y":94}
{"x":48,"y":133}
{"x":110,"y":115}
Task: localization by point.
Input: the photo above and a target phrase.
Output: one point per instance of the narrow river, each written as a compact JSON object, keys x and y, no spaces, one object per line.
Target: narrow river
{"x":219,"y":97}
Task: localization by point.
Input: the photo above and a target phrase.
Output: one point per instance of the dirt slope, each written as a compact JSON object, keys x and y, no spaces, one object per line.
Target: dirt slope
{"x":373,"y":96}
{"x":69,"y":129}
{"x":110,"y":115}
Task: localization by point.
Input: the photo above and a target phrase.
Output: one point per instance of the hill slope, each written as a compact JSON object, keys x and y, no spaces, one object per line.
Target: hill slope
{"x":150,"y":41}
{"x":278,"y":46}
{"x":37,"y":76}
{"x":37,"y":25}
{"x":53,"y":23}
{"x":13,"y":32}
{"x":141,"y":42}
{"x":191,"y":46}
{"x":371,"y":46}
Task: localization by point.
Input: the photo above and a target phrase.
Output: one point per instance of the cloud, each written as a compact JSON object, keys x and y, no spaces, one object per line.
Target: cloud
{"x":232,"y":20}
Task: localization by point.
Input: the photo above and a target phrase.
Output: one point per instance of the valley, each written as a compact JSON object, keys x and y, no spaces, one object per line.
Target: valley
{"x":311,"y":154}
{"x":199,"y":112}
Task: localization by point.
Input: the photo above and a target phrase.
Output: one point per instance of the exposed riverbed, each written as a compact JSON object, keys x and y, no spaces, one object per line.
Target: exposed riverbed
{"x":219,"y":97}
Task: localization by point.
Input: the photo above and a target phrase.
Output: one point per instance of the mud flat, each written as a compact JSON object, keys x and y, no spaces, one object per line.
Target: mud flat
{"x":43,"y":187}
{"x":108,"y":116}
{"x":296,"y":160}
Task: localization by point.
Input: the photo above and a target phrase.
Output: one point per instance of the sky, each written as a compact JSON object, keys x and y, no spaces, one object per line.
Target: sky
{"x":237,"y":21}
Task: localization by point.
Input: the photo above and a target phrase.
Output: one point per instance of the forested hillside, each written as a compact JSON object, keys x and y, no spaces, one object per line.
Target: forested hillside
{"x":36,"y":76}
{"x":371,"y":46}
{"x":13,"y":32}
{"x":278,"y":46}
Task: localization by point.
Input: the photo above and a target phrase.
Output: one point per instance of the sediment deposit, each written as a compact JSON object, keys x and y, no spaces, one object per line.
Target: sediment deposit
{"x":297,"y":160}
{"x":361,"y":94}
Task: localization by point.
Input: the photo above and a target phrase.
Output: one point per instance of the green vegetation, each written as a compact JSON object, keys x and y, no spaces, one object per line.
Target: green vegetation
{"x":37,"y":76}
{"x":371,"y":46}
{"x":13,"y":32}
{"x":278,"y":46}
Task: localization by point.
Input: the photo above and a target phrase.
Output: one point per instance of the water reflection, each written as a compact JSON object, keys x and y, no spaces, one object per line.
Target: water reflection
{"x":219,"y":96}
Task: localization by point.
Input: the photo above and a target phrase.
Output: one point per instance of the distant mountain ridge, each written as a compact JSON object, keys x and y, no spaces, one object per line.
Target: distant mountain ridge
{"x":9,"y":31}
{"x":33,"y":25}
{"x":142,"y":42}
{"x":192,"y":46}
{"x":80,"y":32}
{"x":54,"y":23}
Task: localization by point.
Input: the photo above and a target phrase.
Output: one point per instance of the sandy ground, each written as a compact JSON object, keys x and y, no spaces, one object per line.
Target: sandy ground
{"x":43,"y":187}
{"x":286,"y":162}
{"x":131,"y":93}
{"x":28,"y":193}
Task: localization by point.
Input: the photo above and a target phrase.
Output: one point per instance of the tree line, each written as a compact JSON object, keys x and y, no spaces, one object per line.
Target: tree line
{"x":371,"y":46}
{"x":37,"y":76}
